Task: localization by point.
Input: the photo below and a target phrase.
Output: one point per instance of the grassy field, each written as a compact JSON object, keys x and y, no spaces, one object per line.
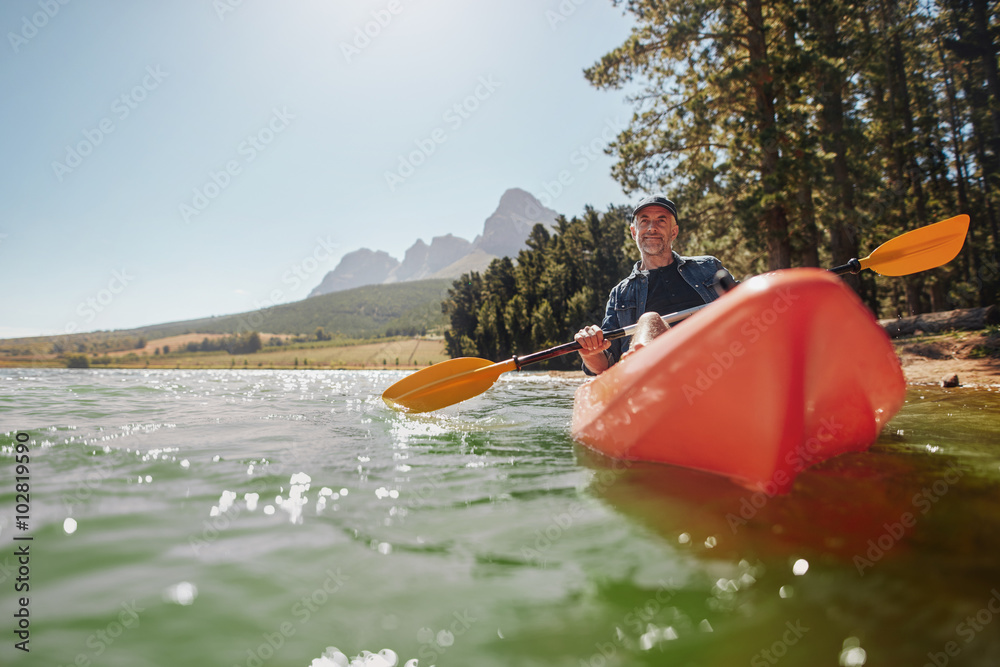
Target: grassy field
{"x":368,"y":313}
{"x":388,"y":353}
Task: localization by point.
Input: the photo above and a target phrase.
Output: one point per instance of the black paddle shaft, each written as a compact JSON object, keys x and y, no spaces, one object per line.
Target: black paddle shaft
{"x":853,"y":266}
{"x":566,"y":348}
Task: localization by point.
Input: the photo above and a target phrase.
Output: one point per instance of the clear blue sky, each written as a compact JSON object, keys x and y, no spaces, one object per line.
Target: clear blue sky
{"x":166,"y":161}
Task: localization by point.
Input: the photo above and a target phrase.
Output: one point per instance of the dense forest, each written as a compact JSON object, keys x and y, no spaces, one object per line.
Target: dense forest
{"x":790,"y":134}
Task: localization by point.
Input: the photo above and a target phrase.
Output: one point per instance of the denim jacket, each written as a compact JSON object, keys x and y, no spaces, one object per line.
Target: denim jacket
{"x":628,"y":299}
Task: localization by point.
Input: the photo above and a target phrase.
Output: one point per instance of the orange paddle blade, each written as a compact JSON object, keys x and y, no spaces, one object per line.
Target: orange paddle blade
{"x":920,"y":249}
{"x":445,"y":383}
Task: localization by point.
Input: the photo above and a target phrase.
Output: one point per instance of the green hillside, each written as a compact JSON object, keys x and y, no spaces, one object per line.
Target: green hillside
{"x":364,"y":312}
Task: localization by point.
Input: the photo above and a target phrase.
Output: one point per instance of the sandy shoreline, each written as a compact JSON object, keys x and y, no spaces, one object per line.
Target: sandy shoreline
{"x":974,"y":356}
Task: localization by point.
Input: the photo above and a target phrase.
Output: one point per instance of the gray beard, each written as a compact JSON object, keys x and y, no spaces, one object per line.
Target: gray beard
{"x":654,"y":248}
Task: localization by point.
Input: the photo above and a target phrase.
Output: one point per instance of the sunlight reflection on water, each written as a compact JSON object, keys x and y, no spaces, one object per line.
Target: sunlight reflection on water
{"x":220,"y":501}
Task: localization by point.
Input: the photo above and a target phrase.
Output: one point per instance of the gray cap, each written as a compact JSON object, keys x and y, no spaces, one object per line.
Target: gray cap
{"x":655,"y":200}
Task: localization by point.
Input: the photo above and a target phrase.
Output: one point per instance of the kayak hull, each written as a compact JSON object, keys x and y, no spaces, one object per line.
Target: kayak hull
{"x":786,"y":370}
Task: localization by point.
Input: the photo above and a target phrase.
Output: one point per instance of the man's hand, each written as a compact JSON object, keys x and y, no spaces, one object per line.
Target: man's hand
{"x":592,"y":346}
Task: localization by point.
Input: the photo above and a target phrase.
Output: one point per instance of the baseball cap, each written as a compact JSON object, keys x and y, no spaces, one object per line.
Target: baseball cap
{"x":655,"y":200}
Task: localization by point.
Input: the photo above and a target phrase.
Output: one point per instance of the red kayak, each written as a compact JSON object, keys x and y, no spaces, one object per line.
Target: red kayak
{"x":786,"y":370}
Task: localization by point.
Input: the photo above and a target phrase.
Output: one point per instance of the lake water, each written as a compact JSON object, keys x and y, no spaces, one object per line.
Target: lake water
{"x":255,"y":518}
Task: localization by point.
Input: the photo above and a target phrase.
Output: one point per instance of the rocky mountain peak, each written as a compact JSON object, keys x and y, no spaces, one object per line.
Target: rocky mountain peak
{"x":448,"y":256}
{"x":506,"y":229}
{"x":421,"y":260}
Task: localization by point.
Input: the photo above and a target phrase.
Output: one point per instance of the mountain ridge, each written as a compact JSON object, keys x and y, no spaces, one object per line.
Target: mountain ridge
{"x":449,"y":256}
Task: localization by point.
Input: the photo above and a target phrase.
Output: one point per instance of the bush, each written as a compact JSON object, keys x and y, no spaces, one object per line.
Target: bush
{"x":77,"y":361}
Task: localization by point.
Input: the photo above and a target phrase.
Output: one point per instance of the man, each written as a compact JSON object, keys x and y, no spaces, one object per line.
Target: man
{"x":661,"y":282}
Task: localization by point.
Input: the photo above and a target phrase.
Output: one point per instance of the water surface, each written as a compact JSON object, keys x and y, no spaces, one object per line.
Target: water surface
{"x":256,"y":517}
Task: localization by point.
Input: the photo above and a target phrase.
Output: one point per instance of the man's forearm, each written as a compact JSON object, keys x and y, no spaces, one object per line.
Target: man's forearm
{"x":597,"y":362}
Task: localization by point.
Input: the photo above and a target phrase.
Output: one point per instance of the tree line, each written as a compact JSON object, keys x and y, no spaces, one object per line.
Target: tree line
{"x":805,"y":133}
{"x":790,"y":134}
{"x":560,"y":282}
{"x":246,"y":343}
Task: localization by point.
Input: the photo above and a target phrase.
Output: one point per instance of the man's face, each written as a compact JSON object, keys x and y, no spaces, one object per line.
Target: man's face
{"x":654,"y":230}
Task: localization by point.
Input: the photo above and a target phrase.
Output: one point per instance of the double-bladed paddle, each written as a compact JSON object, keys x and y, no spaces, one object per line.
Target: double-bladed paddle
{"x":917,"y":250}
{"x":455,"y":380}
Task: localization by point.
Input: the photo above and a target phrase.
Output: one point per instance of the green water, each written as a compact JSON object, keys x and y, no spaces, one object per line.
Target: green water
{"x":481,"y":535}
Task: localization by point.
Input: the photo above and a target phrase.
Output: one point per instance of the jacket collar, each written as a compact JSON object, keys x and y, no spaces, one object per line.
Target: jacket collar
{"x":636,"y":272}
